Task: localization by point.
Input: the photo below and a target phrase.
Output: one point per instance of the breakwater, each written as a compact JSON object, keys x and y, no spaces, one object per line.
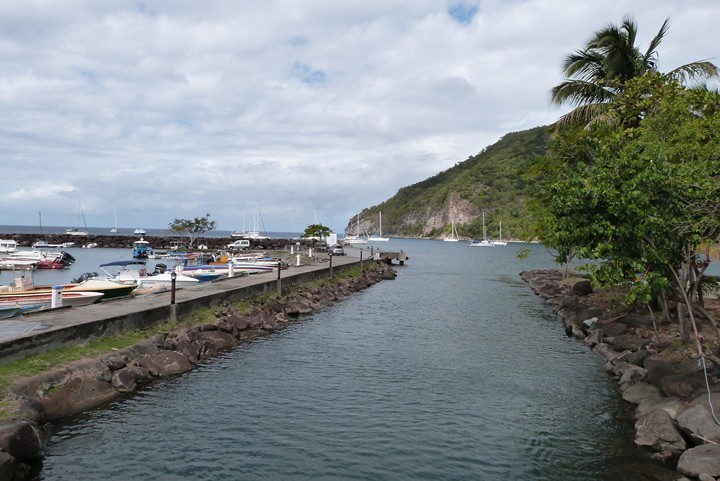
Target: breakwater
{"x":676,"y":394}
{"x":58,"y":394}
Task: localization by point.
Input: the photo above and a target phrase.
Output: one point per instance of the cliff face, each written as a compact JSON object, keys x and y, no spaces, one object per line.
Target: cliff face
{"x":491,"y":182}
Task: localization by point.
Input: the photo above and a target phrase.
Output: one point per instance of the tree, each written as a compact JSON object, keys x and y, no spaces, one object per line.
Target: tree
{"x":316,"y":230}
{"x":598,"y":72}
{"x":644,"y":201}
{"x":192,"y":229}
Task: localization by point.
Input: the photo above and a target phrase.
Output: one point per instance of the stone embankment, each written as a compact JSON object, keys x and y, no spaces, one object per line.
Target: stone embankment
{"x":49,"y":397}
{"x":676,"y":399}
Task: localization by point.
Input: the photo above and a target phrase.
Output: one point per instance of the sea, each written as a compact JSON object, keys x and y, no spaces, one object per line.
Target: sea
{"x":455,"y":370}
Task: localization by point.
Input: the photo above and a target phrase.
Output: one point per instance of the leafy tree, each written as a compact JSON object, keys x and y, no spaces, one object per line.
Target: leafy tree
{"x":644,"y":201}
{"x":192,"y":228}
{"x":610,"y":58}
{"x":316,"y":230}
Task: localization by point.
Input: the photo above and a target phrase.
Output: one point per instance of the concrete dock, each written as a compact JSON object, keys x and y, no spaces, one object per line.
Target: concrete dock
{"x":46,"y":330}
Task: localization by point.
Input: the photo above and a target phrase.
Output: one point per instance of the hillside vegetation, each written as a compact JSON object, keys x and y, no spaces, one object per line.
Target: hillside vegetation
{"x":491,"y":181}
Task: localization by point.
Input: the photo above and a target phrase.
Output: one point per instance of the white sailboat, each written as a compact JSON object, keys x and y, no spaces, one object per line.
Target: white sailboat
{"x":75,"y":231}
{"x":499,"y":242}
{"x":378,"y":238}
{"x":355,"y":239}
{"x":257,"y":220}
{"x":114,"y":227}
{"x":453,"y":233}
{"x":484,"y":242}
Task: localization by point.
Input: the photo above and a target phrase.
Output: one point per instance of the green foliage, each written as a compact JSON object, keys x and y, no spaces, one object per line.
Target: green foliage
{"x":316,"y":230}
{"x":192,"y":228}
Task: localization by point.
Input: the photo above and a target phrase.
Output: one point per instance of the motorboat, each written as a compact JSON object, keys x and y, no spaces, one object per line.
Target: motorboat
{"x":7,"y":312}
{"x":141,"y":249}
{"x":139,"y":231}
{"x":23,"y":284}
{"x":7,"y":246}
{"x":44,"y":299}
{"x":134,"y":273}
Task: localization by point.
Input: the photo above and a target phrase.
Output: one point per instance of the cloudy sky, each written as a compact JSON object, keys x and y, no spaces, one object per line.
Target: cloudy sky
{"x":302,"y":109}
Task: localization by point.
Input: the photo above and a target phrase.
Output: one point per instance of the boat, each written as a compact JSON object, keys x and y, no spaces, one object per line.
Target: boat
{"x":7,"y":312}
{"x":499,"y":241}
{"x":85,"y":283}
{"x":255,"y":233}
{"x":453,"y":233}
{"x":7,"y":246}
{"x":134,"y":273}
{"x":44,"y":299}
{"x":355,"y":239}
{"x":41,"y":244}
{"x":75,"y":231}
{"x":379,"y":237}
{"x":114,"y":229}
{"x":484,"y":242}
{"x":139,"y":231}
{"x":141,"y":249}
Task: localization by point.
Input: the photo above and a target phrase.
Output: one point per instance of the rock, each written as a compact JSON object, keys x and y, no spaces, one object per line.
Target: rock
{"x":582,"y":288}
{"x":659,"y":367}
{"x":699,"y":425}
{"x":188,"y":347}
{"x":682,"y":385}
{"x":612,"y":329}
{"x":240,"y":323}
{"x":606,"y":351}
{"x":220,"y":340}
{"x":671,"y":405}
{"x":19,"y":438}
{"x":641,"y":392}
{"x":704,"y":459}
{"x":629,"y":342}
{"x":630,"y":374}
{"x":126,"y":379}
{"x":706,"y":477}
{"x":637,"y":357}
{"x":165,"y":363}
{"x":8,"y":466}
{"x":76,"y":396}
{"x":656,"y":430}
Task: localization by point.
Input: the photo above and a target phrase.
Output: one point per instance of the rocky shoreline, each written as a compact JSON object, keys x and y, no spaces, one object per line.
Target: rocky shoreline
{"x":677,"y":401}
{"x":38,"y":401}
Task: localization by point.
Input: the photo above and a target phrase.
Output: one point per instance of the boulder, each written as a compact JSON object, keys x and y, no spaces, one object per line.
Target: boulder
{"x":582,"y":288}
{"x":220,"y":340}
{"x":75,"y":396}
{"x":8,"y":466}
{"x":656,"y":430}
{"x":126,"y":379}
{"x":697,"y":422}
{"x":166,"y":363}
{"x":701,"y":460}
{"x":659,"y":367}
{"x":19,"y":438}
{"x":629,"y":342}
{"x":641,"y":392}
{"x":241,"y":323}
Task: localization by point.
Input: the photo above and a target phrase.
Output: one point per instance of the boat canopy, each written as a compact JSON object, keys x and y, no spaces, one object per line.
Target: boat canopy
{"x":123,"y":263}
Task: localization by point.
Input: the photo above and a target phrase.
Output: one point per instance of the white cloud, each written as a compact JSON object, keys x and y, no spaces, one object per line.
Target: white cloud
{"x":177,"y":108}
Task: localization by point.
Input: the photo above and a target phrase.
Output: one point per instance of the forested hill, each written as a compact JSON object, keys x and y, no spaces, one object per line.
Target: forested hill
{"x":490,"y":181}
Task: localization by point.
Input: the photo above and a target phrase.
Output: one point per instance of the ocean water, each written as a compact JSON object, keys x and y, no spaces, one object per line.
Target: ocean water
{"x":452,"y":371}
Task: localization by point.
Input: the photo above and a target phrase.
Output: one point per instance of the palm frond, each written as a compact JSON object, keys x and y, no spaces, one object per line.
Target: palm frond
{"x":694,"y":71}
{"x":577,"y":92}
{"x":582,"y":114}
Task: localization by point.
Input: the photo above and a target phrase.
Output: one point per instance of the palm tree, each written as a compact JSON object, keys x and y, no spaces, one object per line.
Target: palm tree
{"x":611,"y":58}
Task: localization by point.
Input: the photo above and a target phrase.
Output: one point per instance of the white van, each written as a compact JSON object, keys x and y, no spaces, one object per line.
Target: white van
{"x":239,"y":245}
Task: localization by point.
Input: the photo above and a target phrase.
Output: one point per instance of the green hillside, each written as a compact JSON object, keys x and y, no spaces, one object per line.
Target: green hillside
{"x":490,"y":181}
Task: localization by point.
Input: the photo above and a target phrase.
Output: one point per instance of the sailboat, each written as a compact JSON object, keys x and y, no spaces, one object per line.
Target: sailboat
{"x":378,"y":238}
{"x":114,"y":227}
{"x":453,"y":233}
{"x":499,"y":242}
{"x":257,"y":220}
{"x":75,"y":231}
{"x":355,"y":239}
{"x":484,"y":242}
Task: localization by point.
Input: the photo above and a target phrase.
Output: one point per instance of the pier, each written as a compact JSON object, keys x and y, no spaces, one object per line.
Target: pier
{"x":46,"y":330}
{"x":388,"y":257}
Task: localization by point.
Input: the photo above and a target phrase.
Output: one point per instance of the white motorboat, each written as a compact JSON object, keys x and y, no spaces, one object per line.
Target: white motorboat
{"x":134,"y":273}
{"x":7,"y":246}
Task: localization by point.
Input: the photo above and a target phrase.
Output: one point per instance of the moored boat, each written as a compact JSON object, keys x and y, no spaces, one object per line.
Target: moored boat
{"x":44,"y":299}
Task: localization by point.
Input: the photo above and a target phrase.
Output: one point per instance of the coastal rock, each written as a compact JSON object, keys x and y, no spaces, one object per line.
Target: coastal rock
{"x":699,"y":425}
{"x":127,"y":378}
{"x":241,"y":323}
{"x":659,"y":367}
{"x":19,"y":438}
{"x":704,"y":459}
{"x":76,"y":396}
{"x":612,"y":329}
{"x":671,"y":405}
{"x":219,"y":340}
{"x":629,"y":342}
{"x":8,"y":466}
{"x":606,"y":351}
{"x":684,"y":386}
{"x":165,"y":363}
{"x":582,"y":288}
{"x":641,"y":392}
{"x":656,"y":430}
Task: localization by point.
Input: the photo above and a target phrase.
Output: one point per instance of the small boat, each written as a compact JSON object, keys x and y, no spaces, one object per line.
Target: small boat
{"x":90,"y":245}
{"x":46,"y":245}
{"x":75,"y":231}
{"x":453,"y":233}
{"x":114,"y":229}
{"x":378,"y":238}
{"x":141,"y":249}
{"x":134,"y":273}
{"x":60,"y":261}
{"x":139,"y":231}
{"x":44,"y":299}
{"x":7,"y":246}
{"x":484,"y":242}
{"x":18,"y":264}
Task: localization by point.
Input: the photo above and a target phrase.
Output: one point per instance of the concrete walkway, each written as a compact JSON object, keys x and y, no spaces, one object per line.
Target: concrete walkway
{"x":45,"y":330}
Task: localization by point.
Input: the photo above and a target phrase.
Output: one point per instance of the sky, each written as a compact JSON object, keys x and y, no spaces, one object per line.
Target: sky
{"x":303,"y":110}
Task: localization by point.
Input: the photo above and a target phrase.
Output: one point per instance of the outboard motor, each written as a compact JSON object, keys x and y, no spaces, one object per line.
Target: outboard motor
{"x":67,"y":257}
{"x":159,"y":269}
{"x":84,"y":277}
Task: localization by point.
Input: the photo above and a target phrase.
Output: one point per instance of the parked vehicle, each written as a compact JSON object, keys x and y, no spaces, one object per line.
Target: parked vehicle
{"x":238,"y":245}
{"x":336,"y":250}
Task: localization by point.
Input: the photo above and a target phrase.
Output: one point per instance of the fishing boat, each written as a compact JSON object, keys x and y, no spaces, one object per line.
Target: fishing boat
{"x":453,"y":233}
{"x":141,"y":249}
{"x":379,"y":237}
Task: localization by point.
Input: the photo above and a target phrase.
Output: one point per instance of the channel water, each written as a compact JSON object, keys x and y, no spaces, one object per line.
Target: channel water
{"x":453,"y":371}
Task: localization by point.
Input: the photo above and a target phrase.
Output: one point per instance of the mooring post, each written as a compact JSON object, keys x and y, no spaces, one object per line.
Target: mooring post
{"x":279,"y":285}
{"x":331,"y":269}
{"x":361,"y":257}
{"x":173,"y":306}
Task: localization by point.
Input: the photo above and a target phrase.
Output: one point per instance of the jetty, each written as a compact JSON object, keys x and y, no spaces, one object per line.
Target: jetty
{"x":46,"y":330}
